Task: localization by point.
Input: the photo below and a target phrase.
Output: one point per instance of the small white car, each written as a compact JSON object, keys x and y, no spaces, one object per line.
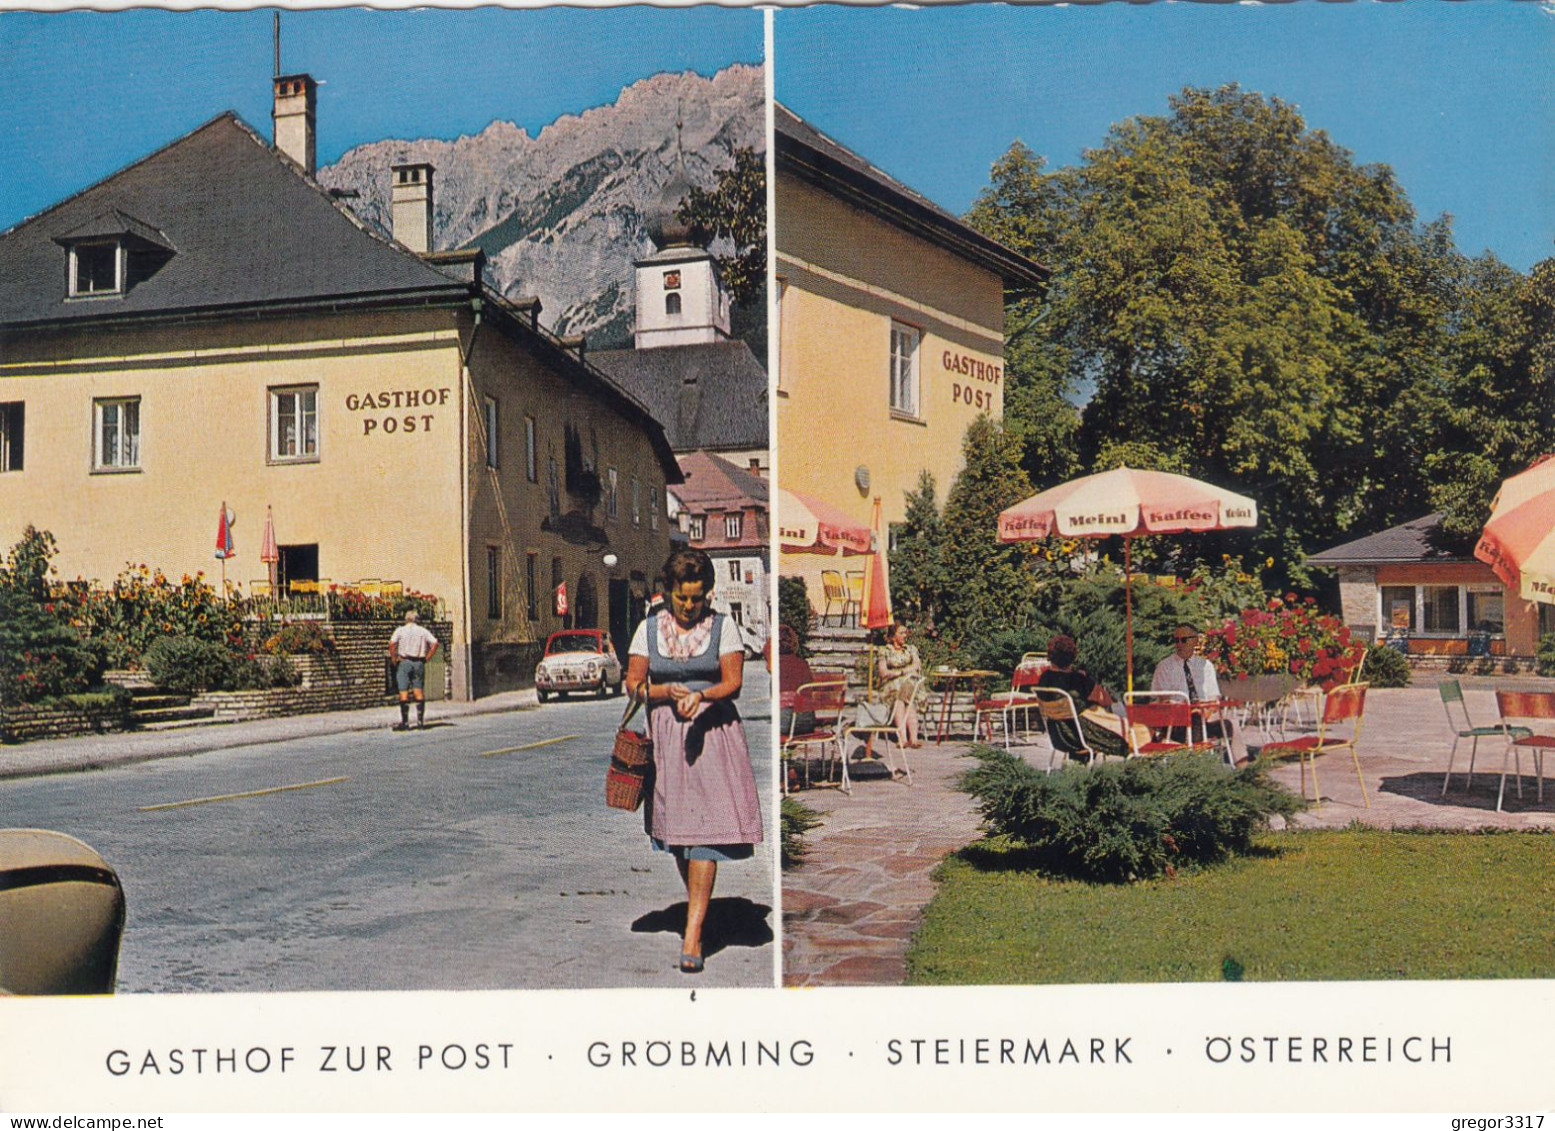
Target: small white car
{"x":580,"y":659}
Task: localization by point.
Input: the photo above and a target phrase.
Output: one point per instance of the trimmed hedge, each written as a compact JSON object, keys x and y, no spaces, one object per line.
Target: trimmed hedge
{"x":1116,"y":822}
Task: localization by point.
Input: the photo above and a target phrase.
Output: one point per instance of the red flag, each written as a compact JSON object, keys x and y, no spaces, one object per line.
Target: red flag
{"x":561,"y":599}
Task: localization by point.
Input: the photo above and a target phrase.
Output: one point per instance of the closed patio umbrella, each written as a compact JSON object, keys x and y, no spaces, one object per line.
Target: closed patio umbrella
{"x":225,"y":548}
{"x":1518,"y":542}
{"x":269,"y":553}
{"x":1126,"y":502}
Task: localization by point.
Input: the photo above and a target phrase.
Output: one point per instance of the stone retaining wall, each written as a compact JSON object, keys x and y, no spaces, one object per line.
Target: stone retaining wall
{"x":24,"y":724}
{"x":347,"y":679}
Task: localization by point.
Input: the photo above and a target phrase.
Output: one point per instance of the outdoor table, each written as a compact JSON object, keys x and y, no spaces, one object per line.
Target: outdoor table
{"x":950,"y":677}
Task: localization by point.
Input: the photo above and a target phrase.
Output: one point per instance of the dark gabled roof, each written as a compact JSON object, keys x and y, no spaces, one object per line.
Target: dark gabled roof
{"x":708,"y":396}
{"x":711,"y":480}
{"x":249,"y":228}
{"x":1410,"y":543}
{"x":806,"y":152}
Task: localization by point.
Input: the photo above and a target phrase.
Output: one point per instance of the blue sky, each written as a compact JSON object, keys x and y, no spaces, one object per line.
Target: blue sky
{"x":86,"y":93}
{"x":1457,"y":97}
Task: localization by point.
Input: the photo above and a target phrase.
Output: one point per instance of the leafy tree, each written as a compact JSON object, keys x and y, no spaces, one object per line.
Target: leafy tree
{"x":1235,"y":298}
{"x":40,"y":655}
{"x":735,"y":210}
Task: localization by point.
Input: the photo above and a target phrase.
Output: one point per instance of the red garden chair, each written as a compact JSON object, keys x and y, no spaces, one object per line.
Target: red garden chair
{"x":1345,"y":704}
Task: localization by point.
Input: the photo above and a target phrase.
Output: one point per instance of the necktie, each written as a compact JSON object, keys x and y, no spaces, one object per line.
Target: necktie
{"x":1187,"y":674}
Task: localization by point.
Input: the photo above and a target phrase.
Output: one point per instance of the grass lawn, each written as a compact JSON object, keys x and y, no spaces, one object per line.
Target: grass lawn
{"x":1311,"y":905}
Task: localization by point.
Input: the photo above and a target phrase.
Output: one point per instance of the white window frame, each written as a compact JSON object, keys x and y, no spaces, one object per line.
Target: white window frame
{"x":493,"y":433}
{"x":733,"y":524}
{"x":736,"y":574}
{"x":612,"y":493}
{"x":122,"y":453}
{"x":653,"y":508}
{"x":531,"y":451}
{"x":637,"y":501}
{"x":117,"y":247}
{"x":906,"y":395}
{"x":302,"y":415}
{"x":696,"y":527}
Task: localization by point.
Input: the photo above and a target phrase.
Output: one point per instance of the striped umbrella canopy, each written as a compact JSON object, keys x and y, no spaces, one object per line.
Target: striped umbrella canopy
{"x":1518,"y":542}
{"x":876,"y":612}
{"x":1126,"y":502}
{"x":805,"y":524}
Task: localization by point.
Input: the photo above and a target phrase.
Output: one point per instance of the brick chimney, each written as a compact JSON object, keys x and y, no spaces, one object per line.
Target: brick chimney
{"x":412,"y":206}
{"x":296,"y":99}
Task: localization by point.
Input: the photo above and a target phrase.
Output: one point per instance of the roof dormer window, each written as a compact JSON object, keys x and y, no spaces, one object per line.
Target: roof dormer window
{"x":111,"y":253}
{"x":96,"y":269}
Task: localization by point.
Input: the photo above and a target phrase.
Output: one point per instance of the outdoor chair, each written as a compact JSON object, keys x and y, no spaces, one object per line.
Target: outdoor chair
{"x":888,"y":732}
{"x":1530,"y":705}
{"x":1019,"y":699}
{"x":823,"y":702}
{"x":393,"y":589}
{"x":855,"y":579}
{"x":370,"y":586}
{"x":1164,"y":712}
{"x":835,"y":591}
{"x":1345,"y":704}
{"x":1463,"y":727}
{"x":1064,"y":731}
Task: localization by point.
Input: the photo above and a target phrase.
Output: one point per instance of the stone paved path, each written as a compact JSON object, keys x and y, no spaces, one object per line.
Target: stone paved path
{"x":850,"y":910}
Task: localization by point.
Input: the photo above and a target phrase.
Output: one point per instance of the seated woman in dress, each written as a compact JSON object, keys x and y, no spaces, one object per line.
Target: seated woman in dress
{"x":900,"y":670}
{"x":1102,"y":729}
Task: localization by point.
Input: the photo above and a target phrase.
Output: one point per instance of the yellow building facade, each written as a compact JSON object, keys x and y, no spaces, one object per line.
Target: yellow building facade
{"x":396,"y":419}
{"x":890,"y":334}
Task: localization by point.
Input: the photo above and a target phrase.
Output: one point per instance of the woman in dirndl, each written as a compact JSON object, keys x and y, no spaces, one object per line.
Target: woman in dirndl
{"x":688,"y":661}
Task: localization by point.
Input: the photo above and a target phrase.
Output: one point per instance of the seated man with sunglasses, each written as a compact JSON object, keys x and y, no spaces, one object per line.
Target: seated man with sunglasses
{"x":1187,"y":672}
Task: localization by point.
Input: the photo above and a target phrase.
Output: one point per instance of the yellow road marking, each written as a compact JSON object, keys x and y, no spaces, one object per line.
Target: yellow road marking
{"x":237,"y":796}
{"x":529,"y":745}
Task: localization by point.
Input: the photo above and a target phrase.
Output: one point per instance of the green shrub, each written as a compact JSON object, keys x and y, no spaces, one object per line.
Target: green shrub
{"x":1457,"y":665}
{"x":189,"y":664}
{"x":1545,"y":659}
{"x":794,"y":610}
{"x":1121,"y":821}
{"x":1510,"y":665}
{"x":797,"y":819}
{"x":1485,"y":665}
{"x":1385,"y":667}
{"x":42,"y":655}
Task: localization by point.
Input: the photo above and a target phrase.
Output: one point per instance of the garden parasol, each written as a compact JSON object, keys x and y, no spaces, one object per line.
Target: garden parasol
{"x":877,"y":594}
{"x":1518,"y":542}
{"x":224,"y":544}
{"x":268,"y":552}
{"x":1126,"y":502}
{"x":810,"y":525}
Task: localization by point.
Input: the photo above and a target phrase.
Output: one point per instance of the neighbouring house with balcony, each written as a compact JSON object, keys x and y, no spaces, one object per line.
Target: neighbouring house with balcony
{"x":210,"y":324}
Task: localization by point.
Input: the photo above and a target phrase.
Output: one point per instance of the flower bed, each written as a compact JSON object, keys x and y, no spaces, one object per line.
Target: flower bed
{"x":1285,"y":635}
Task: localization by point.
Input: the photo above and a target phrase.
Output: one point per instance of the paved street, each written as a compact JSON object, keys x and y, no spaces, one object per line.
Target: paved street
{"x":477,"y":854}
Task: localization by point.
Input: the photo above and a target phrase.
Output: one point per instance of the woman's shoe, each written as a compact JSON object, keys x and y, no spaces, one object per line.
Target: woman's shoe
{"x":690,"y":963}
